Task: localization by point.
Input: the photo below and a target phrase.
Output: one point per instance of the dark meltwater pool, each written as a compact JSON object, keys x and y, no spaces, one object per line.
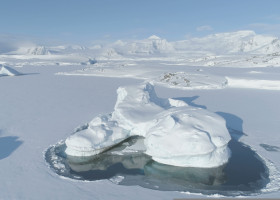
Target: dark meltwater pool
{"x":244,"y":174}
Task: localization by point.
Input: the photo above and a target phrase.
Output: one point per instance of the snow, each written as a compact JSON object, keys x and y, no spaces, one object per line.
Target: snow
{"x":254,"y":84}
{"x":8,"y":71}
{"x":175,"y":133}
{"x":236,"y":42}
{"x":44,"y":108}
{"x":40,"y":50}
{"x":196,"y":80}
{"x":154,"y":37}
{"x":101,"y":134}
{"x":235,"y":49}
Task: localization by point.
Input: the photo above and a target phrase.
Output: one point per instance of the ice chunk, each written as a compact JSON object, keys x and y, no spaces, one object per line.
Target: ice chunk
{"x":8,"y":71}
{"x":189,"y":137}
{"x":101,"y":134}
{"x":174,"y":132}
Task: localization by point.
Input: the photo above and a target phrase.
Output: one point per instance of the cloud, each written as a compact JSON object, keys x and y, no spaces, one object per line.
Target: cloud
{"x":265,"y":27}
{"x":204,"y":28}
{"x":9,"y":43}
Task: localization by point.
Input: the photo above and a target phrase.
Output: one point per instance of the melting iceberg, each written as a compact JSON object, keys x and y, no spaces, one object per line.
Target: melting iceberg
{"x":175,"y":133}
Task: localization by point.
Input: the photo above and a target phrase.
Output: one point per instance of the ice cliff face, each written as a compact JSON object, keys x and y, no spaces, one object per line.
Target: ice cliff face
{"x":175,"y":132}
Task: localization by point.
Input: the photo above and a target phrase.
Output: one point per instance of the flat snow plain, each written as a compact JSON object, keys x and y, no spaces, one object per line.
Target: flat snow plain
{"x":40,"y":108}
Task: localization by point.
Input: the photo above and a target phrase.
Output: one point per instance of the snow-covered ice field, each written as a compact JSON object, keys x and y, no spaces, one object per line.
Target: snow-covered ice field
{"x":44,"y":98}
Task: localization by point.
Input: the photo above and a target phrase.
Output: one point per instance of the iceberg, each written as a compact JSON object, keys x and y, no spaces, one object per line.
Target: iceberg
{"x":174,"y":132}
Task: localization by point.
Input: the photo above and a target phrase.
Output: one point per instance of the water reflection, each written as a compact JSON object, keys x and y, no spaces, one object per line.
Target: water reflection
{"x":185,"y":175}
{"x":245,"y":173}
{"x":107,"y":165}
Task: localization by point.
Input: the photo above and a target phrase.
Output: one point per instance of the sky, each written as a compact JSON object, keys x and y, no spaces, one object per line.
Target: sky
{"x":86,"y":21}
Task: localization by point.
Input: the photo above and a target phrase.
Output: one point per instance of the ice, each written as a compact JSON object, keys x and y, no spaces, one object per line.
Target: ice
{"x":254,"y":83}
{"x":101,"y":134}
{"x":8,"y":71}
{"x":43,"y":108}
{"x":175,"y":133}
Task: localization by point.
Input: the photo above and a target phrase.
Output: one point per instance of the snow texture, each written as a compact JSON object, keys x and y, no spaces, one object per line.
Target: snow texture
{"x":175,"y":132}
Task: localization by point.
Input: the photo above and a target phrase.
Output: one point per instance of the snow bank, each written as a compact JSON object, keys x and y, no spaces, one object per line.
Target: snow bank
{"x":254,"y":83}
{"x":175,"y":133}
{"x":8,"y":71}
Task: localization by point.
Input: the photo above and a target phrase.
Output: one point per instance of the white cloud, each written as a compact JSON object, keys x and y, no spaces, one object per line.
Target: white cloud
{"x":265,"y":27}
{"x":204,"y":28}
{"x":9,"y":42}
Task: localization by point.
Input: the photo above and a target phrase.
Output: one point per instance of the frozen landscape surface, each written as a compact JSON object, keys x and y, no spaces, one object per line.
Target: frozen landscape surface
{"x":235,"y":75}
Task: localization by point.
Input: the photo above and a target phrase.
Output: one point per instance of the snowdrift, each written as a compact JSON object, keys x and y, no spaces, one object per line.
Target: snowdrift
{"x":175,"y":133}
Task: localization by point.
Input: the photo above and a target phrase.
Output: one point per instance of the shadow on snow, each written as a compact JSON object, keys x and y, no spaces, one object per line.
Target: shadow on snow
{"x":8,"y":145}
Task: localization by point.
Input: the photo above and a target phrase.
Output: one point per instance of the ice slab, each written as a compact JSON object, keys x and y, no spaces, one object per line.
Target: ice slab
{"x":8,"y":71}
{"x":175,"y":133}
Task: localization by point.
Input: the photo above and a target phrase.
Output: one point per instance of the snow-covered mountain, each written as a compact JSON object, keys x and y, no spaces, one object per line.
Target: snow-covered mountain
{"x":151,"y":45}
{"x":231,"y":43}
{"x":31,"y":50}
{"x":240,"y":42}
{"x":241,"y":48}
{"x":38,"y":50}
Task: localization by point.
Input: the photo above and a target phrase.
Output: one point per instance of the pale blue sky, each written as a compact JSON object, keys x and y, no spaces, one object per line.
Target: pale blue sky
{"x":83,"y":21}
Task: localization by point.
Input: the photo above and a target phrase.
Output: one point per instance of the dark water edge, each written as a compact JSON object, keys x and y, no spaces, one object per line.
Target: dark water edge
{"x":244,"y":174}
